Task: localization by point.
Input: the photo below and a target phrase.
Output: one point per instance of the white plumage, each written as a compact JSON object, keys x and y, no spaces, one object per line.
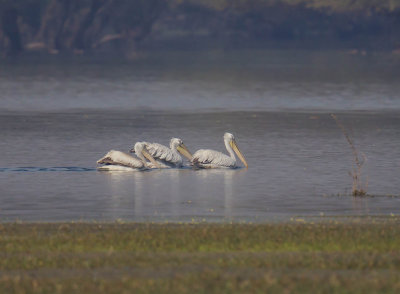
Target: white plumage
{"x":154,"y":155}
{"x":207,"y":158}
{"x":168,"y":157}
{"x":120,"y":161}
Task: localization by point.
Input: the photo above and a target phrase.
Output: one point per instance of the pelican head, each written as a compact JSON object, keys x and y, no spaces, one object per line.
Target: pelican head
{"x":230,"y":139}
{"x":142,"y":153}
{"x":177,"y":144}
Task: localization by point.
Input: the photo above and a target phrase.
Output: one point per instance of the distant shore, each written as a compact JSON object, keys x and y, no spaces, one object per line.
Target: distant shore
{"x":83,"y":27}
{"x":353,"y":255}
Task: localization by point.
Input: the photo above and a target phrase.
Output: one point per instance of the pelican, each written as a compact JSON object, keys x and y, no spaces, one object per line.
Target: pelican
{"x":167,"y":157}
{"x":206,"y":158}
{"x":120,"y":161}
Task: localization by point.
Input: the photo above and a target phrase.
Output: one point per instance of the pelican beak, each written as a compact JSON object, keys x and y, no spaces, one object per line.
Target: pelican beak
{"x":182,"y":149}
{"x":149,"y":157}
{"x":238,"y":153}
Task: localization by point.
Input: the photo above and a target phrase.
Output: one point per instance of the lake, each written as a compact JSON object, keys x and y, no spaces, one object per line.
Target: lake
{"x":58,"y":116}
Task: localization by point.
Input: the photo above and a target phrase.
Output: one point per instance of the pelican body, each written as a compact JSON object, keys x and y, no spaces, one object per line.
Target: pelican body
{"x":207,"y":158}
{"x":120,"y":161}
{"x":167,"y":157}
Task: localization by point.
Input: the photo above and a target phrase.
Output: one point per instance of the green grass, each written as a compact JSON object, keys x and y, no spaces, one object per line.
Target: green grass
{"x":324,"y":257}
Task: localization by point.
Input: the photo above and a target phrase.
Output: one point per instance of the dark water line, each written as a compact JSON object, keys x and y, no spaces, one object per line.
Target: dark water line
{"x":47,"y":169}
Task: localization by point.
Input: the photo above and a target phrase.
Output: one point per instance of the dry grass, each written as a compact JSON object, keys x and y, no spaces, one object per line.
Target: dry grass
{"x":359,"y":187}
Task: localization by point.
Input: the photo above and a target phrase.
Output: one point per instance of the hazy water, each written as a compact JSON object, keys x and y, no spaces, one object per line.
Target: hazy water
{"x":58,"y":118}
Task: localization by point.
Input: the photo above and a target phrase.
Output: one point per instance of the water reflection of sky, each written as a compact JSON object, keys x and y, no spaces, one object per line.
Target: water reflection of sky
{"x":229,"y":80}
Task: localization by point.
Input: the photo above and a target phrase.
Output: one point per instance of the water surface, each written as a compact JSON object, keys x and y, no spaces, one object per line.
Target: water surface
{"x":58,"y":118}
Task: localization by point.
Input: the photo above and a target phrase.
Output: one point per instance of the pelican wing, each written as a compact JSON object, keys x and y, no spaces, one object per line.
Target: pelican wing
{"x":164,"y":154}
{"x":212,"y":158}
{"x":114,"y":157}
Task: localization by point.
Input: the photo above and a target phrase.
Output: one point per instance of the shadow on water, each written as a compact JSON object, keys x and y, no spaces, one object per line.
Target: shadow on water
{"x":162,"y":194}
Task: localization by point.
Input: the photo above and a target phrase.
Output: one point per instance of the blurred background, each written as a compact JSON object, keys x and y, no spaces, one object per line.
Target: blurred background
{"x":91,"y":26}
{"x":81,"y":77}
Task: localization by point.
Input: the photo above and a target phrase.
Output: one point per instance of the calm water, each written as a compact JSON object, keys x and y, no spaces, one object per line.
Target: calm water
{"x":58,"y":118}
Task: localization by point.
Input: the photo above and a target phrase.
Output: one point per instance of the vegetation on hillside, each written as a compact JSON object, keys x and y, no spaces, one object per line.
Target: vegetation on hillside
{"x":81,"y":26}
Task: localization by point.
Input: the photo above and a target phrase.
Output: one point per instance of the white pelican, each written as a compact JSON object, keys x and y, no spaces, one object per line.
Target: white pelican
{"x":167,"y":157}
{"x":119,"y":161}
{"x":206,"y":158}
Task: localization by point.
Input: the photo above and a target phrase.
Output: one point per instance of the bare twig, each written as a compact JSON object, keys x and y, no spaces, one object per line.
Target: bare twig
{"x":358,"y":189}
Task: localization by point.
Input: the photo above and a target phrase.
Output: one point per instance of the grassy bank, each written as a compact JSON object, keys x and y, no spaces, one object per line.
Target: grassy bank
{"x":356,"y":257}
